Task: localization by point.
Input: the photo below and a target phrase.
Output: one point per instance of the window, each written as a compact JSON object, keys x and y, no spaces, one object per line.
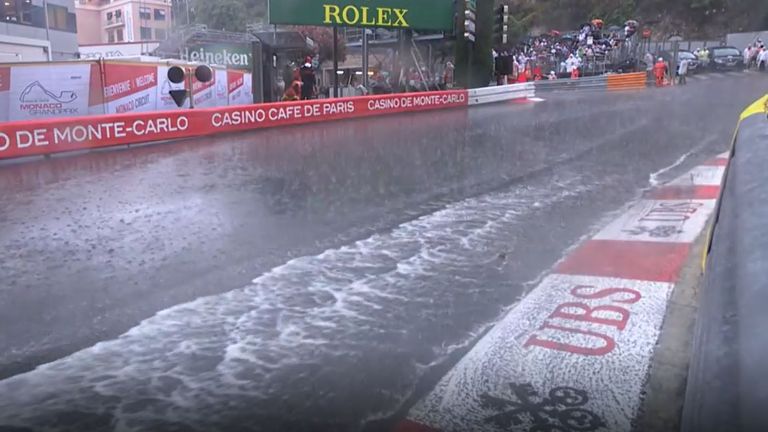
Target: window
{"x":159,"y":14}
{"x":18,"y":11}
{"x":118,"y":14}
{"x":10,"y":11}
{"x":119,"y":35}
{"x":160,"y":34}
{"x":57,"y":17}
{"x":145,"y":13}
{"x":111,"y":36}
{"x":146,"y":33}
{"x":110,"y":17}
{"x":26,"y":11}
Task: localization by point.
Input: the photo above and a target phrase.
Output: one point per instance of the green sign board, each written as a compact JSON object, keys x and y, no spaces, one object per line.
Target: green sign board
{"x":236,"y":56}
{"x":397,"y":14}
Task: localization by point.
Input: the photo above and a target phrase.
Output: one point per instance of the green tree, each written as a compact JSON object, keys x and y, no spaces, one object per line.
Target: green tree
{"x":227,"y":15}
{"x":323,"y":39}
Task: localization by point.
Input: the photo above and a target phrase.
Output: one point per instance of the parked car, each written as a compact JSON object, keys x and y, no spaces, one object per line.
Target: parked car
{"x":725,"y":58}
{"x":694,"y":65}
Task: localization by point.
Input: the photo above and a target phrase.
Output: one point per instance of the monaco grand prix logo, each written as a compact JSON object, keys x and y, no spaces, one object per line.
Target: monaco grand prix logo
{"x":38,"y":100}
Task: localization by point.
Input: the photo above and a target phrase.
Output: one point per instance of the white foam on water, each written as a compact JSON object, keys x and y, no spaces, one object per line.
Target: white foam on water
{"x":654,"y":179}
{"x":222,"y":355}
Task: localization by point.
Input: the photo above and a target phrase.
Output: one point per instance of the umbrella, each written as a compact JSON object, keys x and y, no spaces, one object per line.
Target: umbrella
{"x":554,"y":33}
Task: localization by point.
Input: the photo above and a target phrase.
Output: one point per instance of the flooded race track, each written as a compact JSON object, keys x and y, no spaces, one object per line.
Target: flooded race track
{"x":310,"y":278}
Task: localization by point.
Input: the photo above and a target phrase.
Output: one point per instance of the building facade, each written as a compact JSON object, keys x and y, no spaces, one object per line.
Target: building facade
{"x":119,"y":21}
{"x":37,"y":30}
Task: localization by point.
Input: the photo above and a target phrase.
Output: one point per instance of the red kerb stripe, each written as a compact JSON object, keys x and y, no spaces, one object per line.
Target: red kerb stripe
{"x":651,"y":261}
{"x":681,"y":192}
{"x":716,"y":162}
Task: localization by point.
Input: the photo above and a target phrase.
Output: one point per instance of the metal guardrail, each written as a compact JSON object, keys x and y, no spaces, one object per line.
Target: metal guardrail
{"x":631,"y":81}
{"x":586,"y":83}
{"x":501,"y":93}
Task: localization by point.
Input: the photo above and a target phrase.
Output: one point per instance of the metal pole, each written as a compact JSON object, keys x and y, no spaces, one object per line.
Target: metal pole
{"x":48,"y":31}
{"x":469,"y":64}
{"x":365,"y":57}
{"x":335,"y":62}
{"x":673,"y":61}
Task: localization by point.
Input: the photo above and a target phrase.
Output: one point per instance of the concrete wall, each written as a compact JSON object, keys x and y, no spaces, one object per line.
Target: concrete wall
{"x":12,"y":50}
{"x":741,"y":40}
{"x":89,"y":26}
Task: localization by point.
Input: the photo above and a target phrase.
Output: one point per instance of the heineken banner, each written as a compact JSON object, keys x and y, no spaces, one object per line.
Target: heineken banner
{"x":399,"y":14}
{"x":238,"y":56}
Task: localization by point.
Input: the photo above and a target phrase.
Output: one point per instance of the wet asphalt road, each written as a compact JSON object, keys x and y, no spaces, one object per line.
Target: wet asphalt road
{"x":310,"y":278}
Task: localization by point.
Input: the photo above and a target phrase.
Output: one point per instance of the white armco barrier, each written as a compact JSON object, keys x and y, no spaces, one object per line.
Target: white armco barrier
{"x":501,"y":93}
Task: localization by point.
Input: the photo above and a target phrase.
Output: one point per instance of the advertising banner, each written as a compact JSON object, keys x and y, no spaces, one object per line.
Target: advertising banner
{"x":5,"y":87}
{"x":26,"y":138}
{"x":130,"y":88}
{"x":239,"y":88}
{"x":233,"y":55}
{"x":204,"y":93}
{"x":221,"y":95}
{"x":401,"y":14}
{"x":36,"y":93}
{"x":163,"y":98}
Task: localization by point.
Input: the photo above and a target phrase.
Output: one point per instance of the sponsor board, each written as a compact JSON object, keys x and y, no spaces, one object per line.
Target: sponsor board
{"x":239,"y":88}
{"x":5,"y":87}
{"x":205,"y":93}
{"x":221,"y":87}
{"x":37,"y":93}
{"x":130,"y":88}
{"x":49,"y":136}
{"x":419,"y":15}
{"x":237,"y":56}
{"x":163,"y":99}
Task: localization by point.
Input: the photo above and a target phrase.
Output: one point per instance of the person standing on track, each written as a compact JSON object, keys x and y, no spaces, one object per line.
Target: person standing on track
{"x":659,"y":71}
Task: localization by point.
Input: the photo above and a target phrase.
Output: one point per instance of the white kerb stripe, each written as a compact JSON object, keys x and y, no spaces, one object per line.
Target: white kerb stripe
{"x":701,"y":176}
{"x":580,"y":345}
{"x":668,"y":221}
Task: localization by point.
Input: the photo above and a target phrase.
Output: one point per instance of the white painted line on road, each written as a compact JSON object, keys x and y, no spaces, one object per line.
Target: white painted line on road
{"x":701,"y":176}
{"x":536,"y":99}
{"x":724,"y":155}
{"x":576,"y":351}
{"x":672,"y":221}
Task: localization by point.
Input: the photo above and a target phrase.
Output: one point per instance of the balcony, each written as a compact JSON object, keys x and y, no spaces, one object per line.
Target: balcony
{"x":114,"y":22}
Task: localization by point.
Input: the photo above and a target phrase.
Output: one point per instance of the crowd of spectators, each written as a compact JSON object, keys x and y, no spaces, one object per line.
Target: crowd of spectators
{"x":591,"y":49}
{"x":756,"y":55}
